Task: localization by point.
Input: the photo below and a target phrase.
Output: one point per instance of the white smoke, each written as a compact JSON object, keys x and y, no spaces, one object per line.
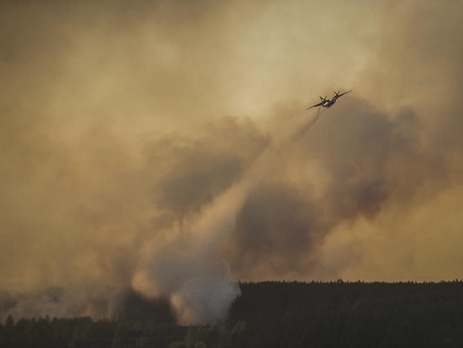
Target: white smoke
{"x":186,"y":266}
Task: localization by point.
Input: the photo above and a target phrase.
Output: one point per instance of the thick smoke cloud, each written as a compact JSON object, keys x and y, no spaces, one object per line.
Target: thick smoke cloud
{"x":165,"y":148}
{"x":371,"y":161}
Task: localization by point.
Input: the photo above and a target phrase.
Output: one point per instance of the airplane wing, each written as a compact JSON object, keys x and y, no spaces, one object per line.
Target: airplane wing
{"x":318,"y":104}
{"x":340,"y":95}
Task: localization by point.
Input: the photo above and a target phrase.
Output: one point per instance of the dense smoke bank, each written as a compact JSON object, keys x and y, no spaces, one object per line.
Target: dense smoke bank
{"x":164,"y":148}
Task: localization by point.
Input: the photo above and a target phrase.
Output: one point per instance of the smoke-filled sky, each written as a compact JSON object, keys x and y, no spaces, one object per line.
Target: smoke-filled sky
{"x":165,"y":147}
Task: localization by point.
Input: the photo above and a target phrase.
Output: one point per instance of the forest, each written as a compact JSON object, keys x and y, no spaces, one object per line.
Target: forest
{"x":271,"y":314}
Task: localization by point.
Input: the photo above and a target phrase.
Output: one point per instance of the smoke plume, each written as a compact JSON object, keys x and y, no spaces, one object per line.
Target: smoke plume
{"x":165,"y":147}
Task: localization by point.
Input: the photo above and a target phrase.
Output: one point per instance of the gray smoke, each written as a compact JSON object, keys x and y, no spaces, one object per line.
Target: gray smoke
{"x":166,"y":147}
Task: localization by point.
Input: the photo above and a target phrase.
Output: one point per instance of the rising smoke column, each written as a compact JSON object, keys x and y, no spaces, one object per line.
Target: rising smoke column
{"x":184,"y":263}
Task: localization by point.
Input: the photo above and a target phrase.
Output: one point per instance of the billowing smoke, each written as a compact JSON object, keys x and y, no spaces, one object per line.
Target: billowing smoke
{"x":165,"y":148}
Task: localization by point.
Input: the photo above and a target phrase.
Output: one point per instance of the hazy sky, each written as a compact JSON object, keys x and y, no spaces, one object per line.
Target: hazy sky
{"x":164,"y":146}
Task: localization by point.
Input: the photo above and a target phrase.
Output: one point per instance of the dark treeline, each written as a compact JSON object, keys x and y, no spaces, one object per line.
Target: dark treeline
{"x":272,"y":314}
{"x":342,"y":314}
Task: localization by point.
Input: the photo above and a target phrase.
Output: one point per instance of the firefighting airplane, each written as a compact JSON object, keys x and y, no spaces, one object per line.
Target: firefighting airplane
{"x":326,"y":103}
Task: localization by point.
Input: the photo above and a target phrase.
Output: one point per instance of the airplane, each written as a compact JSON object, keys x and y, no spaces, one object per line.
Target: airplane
{"x":326,"y":103}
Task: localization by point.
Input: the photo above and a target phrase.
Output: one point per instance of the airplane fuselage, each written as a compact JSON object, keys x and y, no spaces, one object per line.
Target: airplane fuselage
{"x":329,"y":102}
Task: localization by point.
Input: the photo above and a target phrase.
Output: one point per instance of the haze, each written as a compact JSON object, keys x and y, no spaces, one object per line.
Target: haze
{"x":164,"y":146}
